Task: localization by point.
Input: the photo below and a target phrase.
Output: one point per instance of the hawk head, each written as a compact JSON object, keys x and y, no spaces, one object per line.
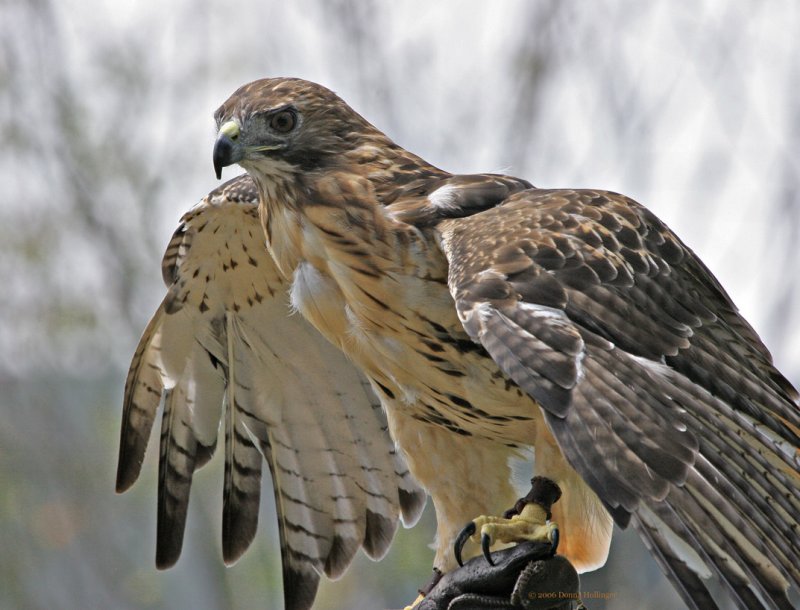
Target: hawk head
{"x":286,"y":125}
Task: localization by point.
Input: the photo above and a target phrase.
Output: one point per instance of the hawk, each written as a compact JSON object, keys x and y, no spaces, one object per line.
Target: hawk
{"x":491,"y":317}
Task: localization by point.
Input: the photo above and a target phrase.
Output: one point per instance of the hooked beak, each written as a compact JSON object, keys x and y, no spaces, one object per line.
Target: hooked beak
{"x":227,"y":150}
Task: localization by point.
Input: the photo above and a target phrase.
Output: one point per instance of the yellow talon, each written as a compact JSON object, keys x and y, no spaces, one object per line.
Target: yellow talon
{"x":530,"y":523}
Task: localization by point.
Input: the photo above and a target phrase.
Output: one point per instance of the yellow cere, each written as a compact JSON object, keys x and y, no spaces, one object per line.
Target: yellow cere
{"x":230,"y":129}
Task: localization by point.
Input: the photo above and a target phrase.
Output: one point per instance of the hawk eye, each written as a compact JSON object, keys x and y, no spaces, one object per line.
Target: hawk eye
{"x":284,"y":121}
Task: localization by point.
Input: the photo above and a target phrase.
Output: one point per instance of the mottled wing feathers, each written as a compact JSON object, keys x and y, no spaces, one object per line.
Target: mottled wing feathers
{"x":659,"y":394}
{"x":223,"y":345}
{"x":143,"y":390}
{"x":425,"y":202}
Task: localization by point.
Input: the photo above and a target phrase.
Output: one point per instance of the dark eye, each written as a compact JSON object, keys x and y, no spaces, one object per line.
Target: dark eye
{"x":283,"y":122}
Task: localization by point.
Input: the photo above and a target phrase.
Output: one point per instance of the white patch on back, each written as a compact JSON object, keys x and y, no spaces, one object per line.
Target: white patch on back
{"x":444,"y":197}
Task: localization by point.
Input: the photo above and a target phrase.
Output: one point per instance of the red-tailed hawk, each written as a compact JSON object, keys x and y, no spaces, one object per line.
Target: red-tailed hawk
{"x":491,"y":317}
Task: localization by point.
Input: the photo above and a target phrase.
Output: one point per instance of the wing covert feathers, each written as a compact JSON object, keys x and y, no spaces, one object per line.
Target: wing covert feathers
{"x":659,"y":394}
{"x":223,"y":342}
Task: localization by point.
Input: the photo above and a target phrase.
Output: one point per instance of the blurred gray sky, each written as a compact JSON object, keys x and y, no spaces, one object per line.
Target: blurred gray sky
{"x":105,"y":111}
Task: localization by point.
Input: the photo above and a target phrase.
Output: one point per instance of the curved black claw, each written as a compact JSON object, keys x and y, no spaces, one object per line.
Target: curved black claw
{"x":461,"y":540}
{"x":486,"y":542}
{"x":554,"y":541}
